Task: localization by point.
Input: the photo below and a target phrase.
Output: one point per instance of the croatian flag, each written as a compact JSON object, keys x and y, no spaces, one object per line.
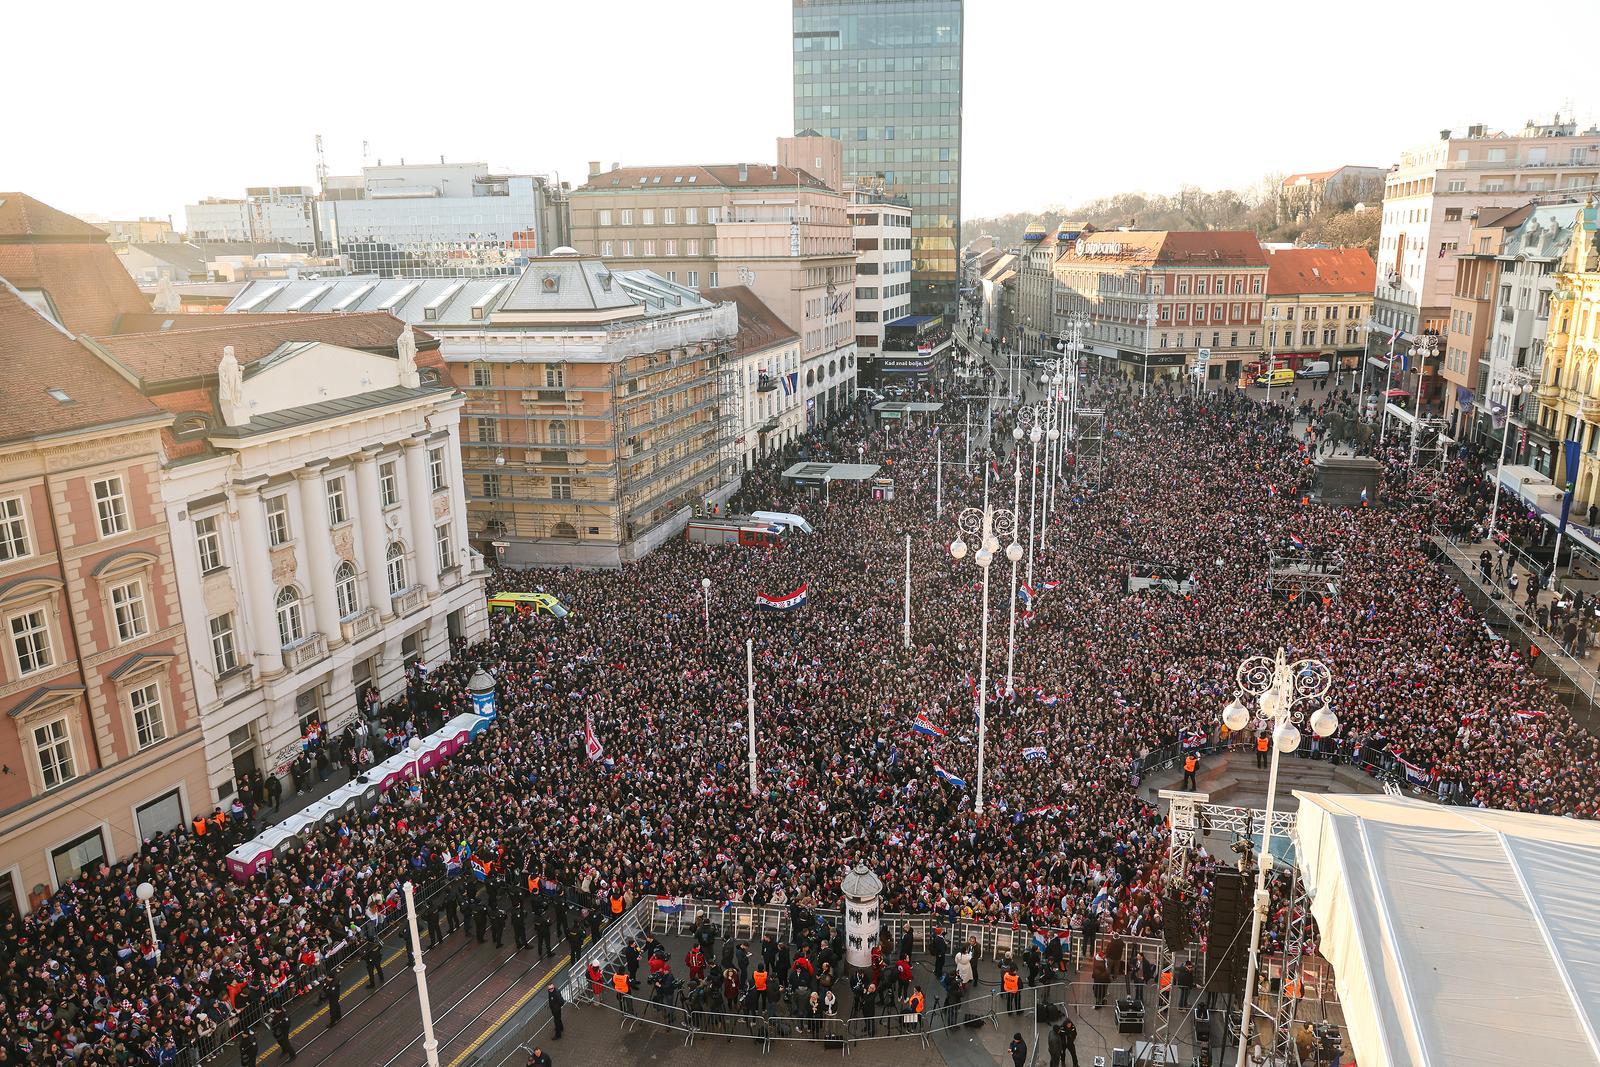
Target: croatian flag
{"x":972,"y":684}
{"x":1048,"y":811}
{"x":1363,"y":496}
{"x":924,"y":725}
{"x":1527,"y":716}
{"x":1414,"y":774}
{"x":1272,"y":490}
{"x":1039,"y":940}
{"x":959,"y":783}
{"x":1296,"y":540}
{"x":1025,"y":594}
{"x":452,"y":864}
{"x":782,"y":603}
{"x":1048,"y":586}
{"x":591,"y":744}
{"x":669,"y":905}
{"x":1033,"y":752}
{"x":1049,"y":701}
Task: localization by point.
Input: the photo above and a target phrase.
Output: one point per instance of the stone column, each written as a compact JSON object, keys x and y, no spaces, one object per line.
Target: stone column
{"x":254,"y":584}
{"x":418,"y":496}
{"x":458,"y":493}
{"x":374,"y":534}
{"x":318,"y":560}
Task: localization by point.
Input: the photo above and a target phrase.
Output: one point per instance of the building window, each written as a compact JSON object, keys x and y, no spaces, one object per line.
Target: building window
{"x":395,"y":563}
{"x":482,"y":376}
{"x":53,"y":743}
{"x":691,"y":216}
{"x":30,"y":638}
{"x":649,"y":248}
{"x":162,"y":815}
{"x":713,"y":215}
{"x":337,"y":512}
{"x":491,"y":486}
{"x":149,"y":723}
{"x":627,"y":248}
{"x":627,"y":216}
{"x":671,"y":247}
{"x":694,"y":277}
{"x":647,"y":216}
{"x":436,"y":468}
{"x":224,"y":655}
{"x":110,"y":506}
{"x":441,"y":542}
{"x":277,"y":520}
{"x":712,"y":280}
{"x":669,"y":216}
{"x":345,"y":589}
{"x":558,"y":432}
{"x":85,"y":854}
{"x":605,"y":217}
{"x":388,"y":484}
{"x":208,"y":542}
{"x":13,"y":530}
{"x":291,"y":626}
{"x":561,"y":487}
{"x":555,"y":377}
{"x":127,"y":606}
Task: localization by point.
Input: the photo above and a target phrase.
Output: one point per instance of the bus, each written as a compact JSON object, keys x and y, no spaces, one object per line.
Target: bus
{"x":529,"y":604}
{"x":717,"y":532}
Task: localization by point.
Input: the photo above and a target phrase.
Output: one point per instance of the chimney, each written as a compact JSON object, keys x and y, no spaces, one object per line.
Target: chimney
{"x":616,"y":166}
{"x":594,"y":168}
{"x":1444,"y":135}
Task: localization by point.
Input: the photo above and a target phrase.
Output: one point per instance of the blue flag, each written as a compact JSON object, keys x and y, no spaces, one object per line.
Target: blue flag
{"x":1569,"y":450}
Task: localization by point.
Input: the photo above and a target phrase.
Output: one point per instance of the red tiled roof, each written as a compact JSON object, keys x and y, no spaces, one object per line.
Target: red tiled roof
{"x":757,"y":175}
{"x":172,"y":355}
{"x":42,"y":248}
{"x":1311,"y":176}
{"x":1230,"y":248}
{"x":759,"y":326}
{"x":1309,"y":271}
{"x":40,"y":356}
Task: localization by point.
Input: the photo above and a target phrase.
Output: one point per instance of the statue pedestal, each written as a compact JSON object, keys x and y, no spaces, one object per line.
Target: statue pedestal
{"x":1340,"y":478}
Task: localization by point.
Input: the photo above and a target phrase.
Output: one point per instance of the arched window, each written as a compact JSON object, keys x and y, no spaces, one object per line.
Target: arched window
{"x":558,"y":432}
{"x":344,"y":589}
{"x":291,"y":627}
{"x":811,"y":376}
{"x":395,"y":561}
{"x":833,"y":367}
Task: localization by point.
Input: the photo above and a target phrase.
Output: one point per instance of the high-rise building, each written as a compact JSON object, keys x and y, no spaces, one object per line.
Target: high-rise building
{"x":884,"y":77}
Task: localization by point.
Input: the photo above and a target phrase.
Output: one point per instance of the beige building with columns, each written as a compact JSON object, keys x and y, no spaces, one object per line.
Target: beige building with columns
{"x":314,"y":489}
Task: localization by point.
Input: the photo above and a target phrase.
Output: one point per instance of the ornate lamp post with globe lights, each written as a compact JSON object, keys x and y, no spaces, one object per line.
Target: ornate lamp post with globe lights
{"x":987,"y":524}
{"x":1030,"y":421}
{"x":1285,"y":694}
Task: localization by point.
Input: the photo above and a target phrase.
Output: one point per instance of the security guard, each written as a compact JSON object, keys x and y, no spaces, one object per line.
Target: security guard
{"x":1261,"y":749}
{"x":620,"y":983}
{"x":1011,"y":982}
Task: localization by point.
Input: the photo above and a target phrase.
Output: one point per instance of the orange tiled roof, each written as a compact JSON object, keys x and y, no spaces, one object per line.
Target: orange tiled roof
{"x":759,"y":326}
{"x":42,"y":248}
{"x":1311,"y":271}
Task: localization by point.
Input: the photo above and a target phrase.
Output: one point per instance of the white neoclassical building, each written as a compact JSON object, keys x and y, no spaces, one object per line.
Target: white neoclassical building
{"x":315,"y":495}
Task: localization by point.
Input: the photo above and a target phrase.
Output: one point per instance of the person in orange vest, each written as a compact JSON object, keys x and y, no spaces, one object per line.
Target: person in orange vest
{"x":1011,"y":982}
{"x":617,"y":904}
{"x":758,"y":980}
{"x":1190,"y":763}
{"x":201,"y":826}
{"x":1262,"y":742}
{"x":619,"y":982}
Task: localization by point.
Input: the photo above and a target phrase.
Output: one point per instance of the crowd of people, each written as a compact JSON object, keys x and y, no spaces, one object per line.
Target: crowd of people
{"x":1066,"y":842}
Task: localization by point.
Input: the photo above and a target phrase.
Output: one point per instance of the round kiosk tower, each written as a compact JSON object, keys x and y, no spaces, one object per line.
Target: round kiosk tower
{"x":862,"y":916}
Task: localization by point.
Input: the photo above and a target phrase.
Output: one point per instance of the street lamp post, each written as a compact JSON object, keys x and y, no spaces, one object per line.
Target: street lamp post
{"x":1014,"y":554}
{"x":146,"y":893}
{"x":705,"y":604}
{"x":1029,"y":417}
{"x":1285,"y":694}
{"x":415,"y":745}
{"x":1514,"y":389}
{"x":988,"y":524}
{"x":430,"y":1045}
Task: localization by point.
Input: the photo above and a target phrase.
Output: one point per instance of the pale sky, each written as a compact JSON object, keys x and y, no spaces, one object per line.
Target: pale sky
{"x":122,"y":110}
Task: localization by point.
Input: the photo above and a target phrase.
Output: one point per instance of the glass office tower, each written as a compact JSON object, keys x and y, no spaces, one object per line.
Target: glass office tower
{"x":884,"y":77}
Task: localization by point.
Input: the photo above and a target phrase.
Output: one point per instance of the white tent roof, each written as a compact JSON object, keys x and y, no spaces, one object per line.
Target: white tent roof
{"x":1458,"y":935}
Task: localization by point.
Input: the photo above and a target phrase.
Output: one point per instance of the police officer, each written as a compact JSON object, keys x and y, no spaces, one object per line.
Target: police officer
{"x":939,"y":948}
{"x":538,"y":1058}
{"x":328,"y":991}
{"x":452,"y":902}
{"x":556,"y":1000}
{"x":574,"y":942}
{"x":497,"y":926}
{"x":248,"y":1048}
{"x":558,"y":907}
{"x":519,"y":929}
{"x":432,"y":915}
{"x":541,"y":930}
{"x":480,"y":919}
{"x":372,"y":955}
{"x":278,"y":1023}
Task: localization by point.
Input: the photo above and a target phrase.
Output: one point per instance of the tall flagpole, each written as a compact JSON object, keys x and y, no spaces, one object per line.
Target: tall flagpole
{"x":908,"y":592}
{"x":938,"y":478}
{"x":430,"y":1046}
{"x":750,"y":704}
{"x":1011,"y":641}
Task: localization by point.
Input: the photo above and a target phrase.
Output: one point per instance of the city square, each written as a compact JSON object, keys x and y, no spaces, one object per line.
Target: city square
{"x":754,"y":611}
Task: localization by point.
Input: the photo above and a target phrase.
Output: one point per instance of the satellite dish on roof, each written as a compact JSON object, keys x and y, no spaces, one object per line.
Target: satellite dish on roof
{"x":565,"y":250}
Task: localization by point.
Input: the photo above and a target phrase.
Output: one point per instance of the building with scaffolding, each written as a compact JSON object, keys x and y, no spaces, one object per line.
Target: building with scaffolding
{"x":599,"y":408}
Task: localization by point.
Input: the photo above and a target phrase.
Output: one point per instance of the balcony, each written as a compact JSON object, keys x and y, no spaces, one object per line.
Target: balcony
{"x":409,"y":600}
{"x":1589,"y":409}
{"x":306,"y":651}
{"x":359,"y":625}
{"x":766,"y":383}
{"x":770,"y":426}
{"x":1508,"y":315}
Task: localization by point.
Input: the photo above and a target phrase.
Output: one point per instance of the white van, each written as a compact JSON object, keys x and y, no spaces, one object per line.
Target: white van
{"x":785,"y":519}
{"x":1317,"y":368}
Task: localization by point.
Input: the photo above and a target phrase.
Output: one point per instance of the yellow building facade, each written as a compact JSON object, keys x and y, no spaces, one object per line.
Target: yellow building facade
{"x":1569,"y":388}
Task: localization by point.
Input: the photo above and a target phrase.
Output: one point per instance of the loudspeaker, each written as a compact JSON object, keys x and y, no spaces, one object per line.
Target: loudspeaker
{"x":1175,"y":920}
{"x":1227,"y":944}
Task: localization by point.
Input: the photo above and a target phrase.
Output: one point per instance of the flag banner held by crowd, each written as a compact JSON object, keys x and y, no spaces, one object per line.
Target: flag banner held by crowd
{"x":1297,"y":541}
{"x":1528,"y":716}
{"x":924,"y":725}
{"x":959,"y":783}
{"x":481,"y":868}
{"x":1034,"y":752}
{"x":1025,"y":594}
{"x":591,"y":744}
{"x":1048,"y":586}
{"x":788,"y":602}
{"x":1050,"y":701}
{"x":669,"y":905}
{"x":1414,"y":774}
